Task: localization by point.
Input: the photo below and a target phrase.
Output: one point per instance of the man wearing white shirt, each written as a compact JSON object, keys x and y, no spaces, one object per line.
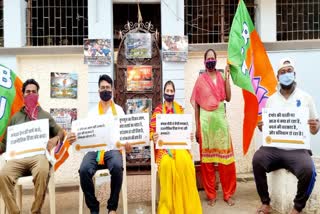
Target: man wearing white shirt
{"x":111,"y":160}
{"x":297,"y":161}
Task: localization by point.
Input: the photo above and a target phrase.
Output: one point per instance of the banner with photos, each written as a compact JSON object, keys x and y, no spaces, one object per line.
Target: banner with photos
{"x":64,"y":117}
{"x":138,"y":45}
{"x":97,"y":51}
{"x":64,"y":85}
{"x":175,"y":48}
{"x":139,"y":78}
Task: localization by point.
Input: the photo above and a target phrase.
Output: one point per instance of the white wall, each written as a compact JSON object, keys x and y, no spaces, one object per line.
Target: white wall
{"x":9,"y":62}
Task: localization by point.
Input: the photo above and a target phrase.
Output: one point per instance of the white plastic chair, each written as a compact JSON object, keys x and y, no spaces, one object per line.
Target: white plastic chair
{"x":155,"y":183}
{"x":154,"y":180}
{"x":106,"y":173}
{"x":18,"y":188}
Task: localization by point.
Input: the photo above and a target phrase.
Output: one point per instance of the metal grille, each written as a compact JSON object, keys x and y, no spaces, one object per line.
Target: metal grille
{"x":209,"y":21}
{"x":57,"y":22}
{"x":1,"y":24}
{"x":298,"y":20}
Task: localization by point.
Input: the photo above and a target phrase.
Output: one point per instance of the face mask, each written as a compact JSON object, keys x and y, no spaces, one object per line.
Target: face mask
{"x":105,"y":95}
{"x":210,"y":64}
{"x":286,"y":79}
{"x":31,"y":102}
{"x":168,"y":98}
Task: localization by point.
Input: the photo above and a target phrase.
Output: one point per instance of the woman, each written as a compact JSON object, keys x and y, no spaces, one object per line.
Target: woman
{"x":178,"y":189}
{"x":212,"y":131}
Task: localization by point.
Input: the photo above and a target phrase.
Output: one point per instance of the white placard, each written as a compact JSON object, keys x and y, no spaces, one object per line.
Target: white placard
{"x":94,"y":133}
{"x":132,"y":129}
{"x":286,"y":128}
{"x":174,"y":131}
{"x":27,"y":139}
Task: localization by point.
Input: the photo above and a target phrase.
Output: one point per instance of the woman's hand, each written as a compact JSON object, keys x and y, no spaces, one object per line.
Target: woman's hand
{"x":192,"y":136}
{"x":227,"y":72}
{"x":155,"y":137}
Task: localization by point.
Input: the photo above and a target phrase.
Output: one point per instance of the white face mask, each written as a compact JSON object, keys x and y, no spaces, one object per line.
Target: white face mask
{"x":287,"y":78}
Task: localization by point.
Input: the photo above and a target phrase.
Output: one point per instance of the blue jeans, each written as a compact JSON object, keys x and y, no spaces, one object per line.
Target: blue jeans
{"x":89,"y":166}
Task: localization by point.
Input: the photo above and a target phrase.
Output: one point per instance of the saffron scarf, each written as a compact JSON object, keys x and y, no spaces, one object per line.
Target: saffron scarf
{"x":207,"y":94}
{"x":100,"y":153}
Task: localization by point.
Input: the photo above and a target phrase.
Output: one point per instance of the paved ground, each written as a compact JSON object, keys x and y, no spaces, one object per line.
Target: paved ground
{"x":139,"y":196}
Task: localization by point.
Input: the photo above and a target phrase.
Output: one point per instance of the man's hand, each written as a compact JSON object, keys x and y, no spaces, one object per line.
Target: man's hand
{"x":313,"y":125}
{"x":260,"y":124}
{"x":128,"y":147}
{"x":71,"y":137}
{"x":53,"y":142}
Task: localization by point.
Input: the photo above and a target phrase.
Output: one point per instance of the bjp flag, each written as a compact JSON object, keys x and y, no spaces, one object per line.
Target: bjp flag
{"x":11,"y":97}
{"x":250,"y":69}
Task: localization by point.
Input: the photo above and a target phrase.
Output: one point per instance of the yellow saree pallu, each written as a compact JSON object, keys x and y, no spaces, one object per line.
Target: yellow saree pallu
{"x":178,"y":189}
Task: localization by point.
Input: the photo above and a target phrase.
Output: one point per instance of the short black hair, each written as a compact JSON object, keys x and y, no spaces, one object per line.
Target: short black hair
{"x":206,"y":53}
{"x":29,"y":82}
{"x":105,"y":77}
{"x":169,"y":82}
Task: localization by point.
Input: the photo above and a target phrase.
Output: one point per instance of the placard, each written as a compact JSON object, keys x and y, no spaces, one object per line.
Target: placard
{"x":132,"y":129}
{"x":174,"y":131}
{"x":94,"y":133}
{"x":286,"y":128}
{"x":27,"y":139}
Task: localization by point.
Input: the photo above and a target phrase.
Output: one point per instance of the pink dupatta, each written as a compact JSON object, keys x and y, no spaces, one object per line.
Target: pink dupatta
{"x":207,"y":94}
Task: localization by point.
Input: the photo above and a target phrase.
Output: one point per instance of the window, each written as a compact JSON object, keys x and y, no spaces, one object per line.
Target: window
{"x":209,"y":21}
{"x":57,"y":22}
{"x":1,"y":23}
{"x":298,"y":20}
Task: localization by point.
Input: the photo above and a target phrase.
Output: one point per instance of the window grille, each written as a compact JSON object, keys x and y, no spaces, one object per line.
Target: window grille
{"x":57,"y":22}
{"x":209,"y":21}
{"x":298,"y":20}
{"x":1,"y":24}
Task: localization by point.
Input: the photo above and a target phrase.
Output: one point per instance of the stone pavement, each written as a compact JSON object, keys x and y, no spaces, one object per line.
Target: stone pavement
{"x":246,"y":198}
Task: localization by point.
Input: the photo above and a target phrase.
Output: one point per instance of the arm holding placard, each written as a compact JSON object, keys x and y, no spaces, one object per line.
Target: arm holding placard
{"x":314,"y":119}
{"x":314,"y":126}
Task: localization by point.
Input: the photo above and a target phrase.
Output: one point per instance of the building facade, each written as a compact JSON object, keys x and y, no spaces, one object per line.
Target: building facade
{"x":40,"y":37}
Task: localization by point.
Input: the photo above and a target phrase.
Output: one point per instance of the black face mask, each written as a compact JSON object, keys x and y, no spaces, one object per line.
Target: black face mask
{"x":168,"y":98}
{"x":211,"y":64}
{"x":105,"y":95}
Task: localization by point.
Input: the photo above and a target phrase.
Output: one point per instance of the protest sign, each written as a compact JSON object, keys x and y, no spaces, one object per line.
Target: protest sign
{"x":94,"y":133}
{"x":132,"y":129}
{"x":174,"y":131}
{"x":27,"y":139}
{"x":286,"y":128}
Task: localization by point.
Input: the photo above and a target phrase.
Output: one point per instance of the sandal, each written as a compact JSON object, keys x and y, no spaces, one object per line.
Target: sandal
{"x":230,"y":201}
{"x":264,"y":209}
{"x":212,"y":202}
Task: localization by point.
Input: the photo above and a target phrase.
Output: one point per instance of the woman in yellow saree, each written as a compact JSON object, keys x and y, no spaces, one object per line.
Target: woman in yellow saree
{"x":178,"y":189}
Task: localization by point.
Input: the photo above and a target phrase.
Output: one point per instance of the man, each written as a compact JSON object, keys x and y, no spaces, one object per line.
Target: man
{"x":111,"y":159}
{"x":297,"y":161}
{"x":38,"y":166}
